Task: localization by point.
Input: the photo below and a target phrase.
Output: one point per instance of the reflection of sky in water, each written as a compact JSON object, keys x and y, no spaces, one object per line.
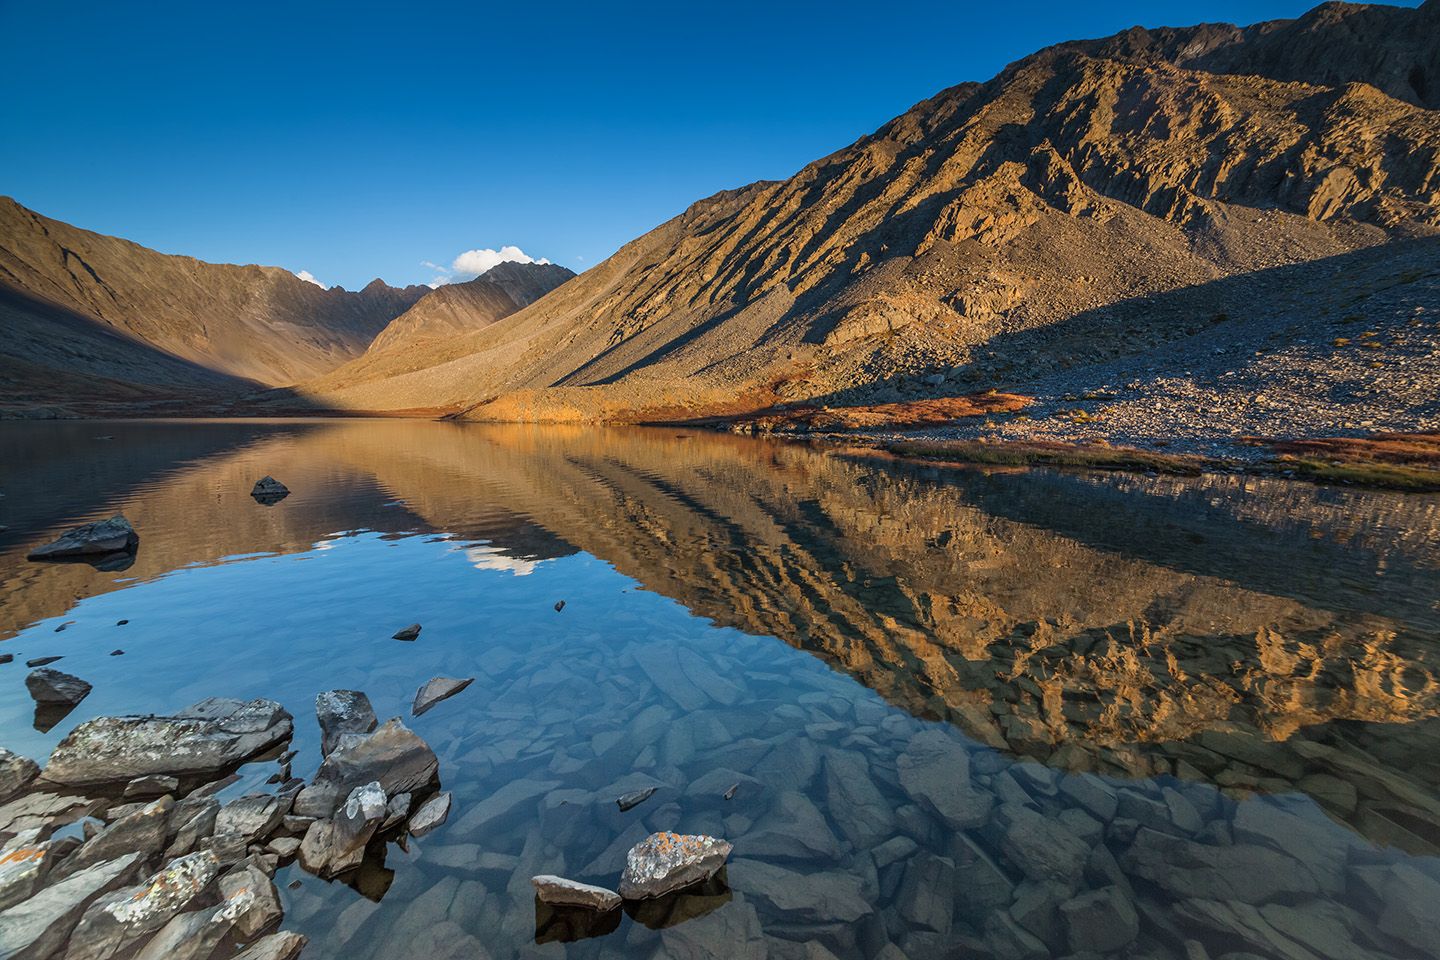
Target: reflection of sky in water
{"x":486,"y":557}
{"x":289,"y":627}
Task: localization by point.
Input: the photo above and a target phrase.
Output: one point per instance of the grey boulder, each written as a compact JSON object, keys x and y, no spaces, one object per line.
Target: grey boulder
{"x":341,"y":712}
{"x":92,"y":539}
{"x":664,"y":862}
{"x":52,"y":686}
{"x":38,"y":927}
{"x":117,"y":920}
{"x":203,"y":740}
{"x":392,"y":756}
{"x":16,"y":772}
{"x":269,"y":491}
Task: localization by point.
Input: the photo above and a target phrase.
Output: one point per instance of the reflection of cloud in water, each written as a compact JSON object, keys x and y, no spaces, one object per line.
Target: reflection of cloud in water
{"x":487,"y":557}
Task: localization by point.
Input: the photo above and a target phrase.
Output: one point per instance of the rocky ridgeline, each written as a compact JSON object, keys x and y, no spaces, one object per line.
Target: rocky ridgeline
{"x":173,"y":872}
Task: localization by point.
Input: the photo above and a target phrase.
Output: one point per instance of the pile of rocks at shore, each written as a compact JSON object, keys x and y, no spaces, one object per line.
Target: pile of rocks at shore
{"x":164,"y":869}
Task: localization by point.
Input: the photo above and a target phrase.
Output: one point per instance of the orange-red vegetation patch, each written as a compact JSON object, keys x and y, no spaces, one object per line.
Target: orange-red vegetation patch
{"x":905,"y":415}
{"x":1408,"y":448}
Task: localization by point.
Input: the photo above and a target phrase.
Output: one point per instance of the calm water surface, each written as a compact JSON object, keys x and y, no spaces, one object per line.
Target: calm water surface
{"x":967,"y":714}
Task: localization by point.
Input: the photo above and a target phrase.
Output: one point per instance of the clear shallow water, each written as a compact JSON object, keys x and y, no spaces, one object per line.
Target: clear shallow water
{"x":1201,"y":712}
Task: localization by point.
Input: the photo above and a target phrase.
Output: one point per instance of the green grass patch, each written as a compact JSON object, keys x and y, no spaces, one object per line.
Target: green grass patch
{"x":1048,"y":455}
{"x":1385,"y":476}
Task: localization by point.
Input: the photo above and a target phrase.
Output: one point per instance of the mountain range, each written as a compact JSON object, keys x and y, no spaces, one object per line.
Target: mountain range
{"x":989,"y":234}
{"x":94,"y":318}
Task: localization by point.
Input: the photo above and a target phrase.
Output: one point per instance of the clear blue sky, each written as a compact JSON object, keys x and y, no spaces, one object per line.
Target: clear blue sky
{"x":359,"y":140}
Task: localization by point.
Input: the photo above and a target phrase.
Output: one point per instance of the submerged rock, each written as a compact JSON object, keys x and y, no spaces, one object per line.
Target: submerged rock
{"x":277,"y":946}
{"x":341,"y":712}
{"x":635,"y":798}
{"x":409,"y":633}
{"x":201,"y":741}
{"x":935,"y":772}
{"x":91,"y":540}
{"x":665,"y":862}
{"x":269,"y":491}
{"x":52,"y":686}
{"x":392,"y":756}
{"x":440,"y":688}
{"x":559,"y":891}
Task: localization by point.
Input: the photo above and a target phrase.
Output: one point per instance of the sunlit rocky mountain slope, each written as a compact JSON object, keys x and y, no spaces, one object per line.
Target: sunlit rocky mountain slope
{"x":1063,"y":196}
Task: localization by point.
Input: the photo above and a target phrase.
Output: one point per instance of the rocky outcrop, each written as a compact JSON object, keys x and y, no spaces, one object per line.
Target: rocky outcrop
{"x":199,"y":742}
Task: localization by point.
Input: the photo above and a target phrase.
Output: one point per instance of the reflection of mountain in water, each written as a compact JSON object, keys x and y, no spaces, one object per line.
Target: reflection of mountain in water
{"x":1223,"y":629}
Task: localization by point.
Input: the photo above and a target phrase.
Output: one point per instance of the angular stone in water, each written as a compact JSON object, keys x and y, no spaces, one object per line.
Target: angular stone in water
{"x":357,"y":821}
{"x":392,"y":756}
{"x":408,"y":633}
{"x":632,"y":800}
{"x":52,"y":686}
{"x":101,"y":537}
{"x":570,"y":893}
{"x":277,"y":946}
{"x":432,"y":813}
{"x":396,"y":810}
{"x":340,"y":712}
{"x":665,"y":862}
{"x":440,"y":688}
{"x":200,"y":741}
{"x":269,"y":491}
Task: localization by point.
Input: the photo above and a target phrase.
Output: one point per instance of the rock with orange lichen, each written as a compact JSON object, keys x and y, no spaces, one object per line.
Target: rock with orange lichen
{"x":665,"y":862}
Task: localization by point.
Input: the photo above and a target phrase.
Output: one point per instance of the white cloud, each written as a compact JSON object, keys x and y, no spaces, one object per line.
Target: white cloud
{"x":309,"y":277}
{"x":473,"y":263}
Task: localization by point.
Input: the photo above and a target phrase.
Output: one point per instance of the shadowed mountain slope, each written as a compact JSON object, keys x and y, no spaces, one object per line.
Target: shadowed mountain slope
{"x":261,"y":324}
{"x":1089,"y":175}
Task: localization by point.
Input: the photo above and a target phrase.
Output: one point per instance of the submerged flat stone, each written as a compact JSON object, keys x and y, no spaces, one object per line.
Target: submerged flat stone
{"x":664,"y":862}
{"x":570,"y":893}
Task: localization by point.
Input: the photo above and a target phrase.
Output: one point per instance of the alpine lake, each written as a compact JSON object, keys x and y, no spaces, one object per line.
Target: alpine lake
{"x":938,"y":712}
